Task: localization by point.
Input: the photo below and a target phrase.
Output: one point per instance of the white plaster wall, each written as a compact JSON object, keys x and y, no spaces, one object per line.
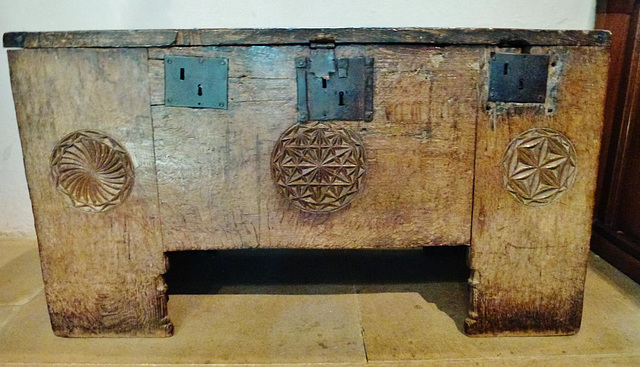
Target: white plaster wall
{"x":47,"y":15}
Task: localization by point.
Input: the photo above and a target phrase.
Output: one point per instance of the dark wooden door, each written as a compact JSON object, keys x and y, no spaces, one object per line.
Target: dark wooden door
{"x":616,"y":231}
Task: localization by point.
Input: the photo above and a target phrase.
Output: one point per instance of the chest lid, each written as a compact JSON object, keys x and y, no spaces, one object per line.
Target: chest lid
{"x":292,"y":36}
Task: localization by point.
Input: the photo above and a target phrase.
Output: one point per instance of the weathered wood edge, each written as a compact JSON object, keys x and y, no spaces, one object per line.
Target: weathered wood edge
{"x":287,"y":36}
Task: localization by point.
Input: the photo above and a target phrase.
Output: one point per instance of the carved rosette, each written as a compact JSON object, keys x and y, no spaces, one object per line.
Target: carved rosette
{"x":319,"y":166}
{"x":92,"y":169}
{"x":539,"y":166}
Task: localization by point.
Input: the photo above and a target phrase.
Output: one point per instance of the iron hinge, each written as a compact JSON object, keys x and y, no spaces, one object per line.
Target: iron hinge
{"x":334,"y":89}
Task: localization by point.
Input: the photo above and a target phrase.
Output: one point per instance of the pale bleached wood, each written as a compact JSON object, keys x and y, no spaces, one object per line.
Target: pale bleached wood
{"x":434,"y":173}
{"x":214,"y":178}
{"x":528,"y":262}
{"x":102,"y":271}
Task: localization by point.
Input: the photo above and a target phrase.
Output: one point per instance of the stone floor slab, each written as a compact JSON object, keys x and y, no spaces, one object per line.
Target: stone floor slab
{"x":405,"y":326}
{"x":20,"y":278}
{"x":209,"y":329}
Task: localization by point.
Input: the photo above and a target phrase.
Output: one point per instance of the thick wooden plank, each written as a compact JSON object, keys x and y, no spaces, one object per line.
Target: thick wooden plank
{"x":102,"y":270}
{"x":215,"y":185}
{"x":280,"y":36}
{"x":133,"y":38}
{"x":528,"y":262}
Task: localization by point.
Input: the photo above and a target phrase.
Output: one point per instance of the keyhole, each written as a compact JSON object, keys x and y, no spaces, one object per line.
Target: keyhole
{"x":520,"y":83}
{"x":506,"y":68}
{"x":341,"y":99}
{"x":324,"y":83}
{"x":181,"y":73}
{"x":199,"y":89}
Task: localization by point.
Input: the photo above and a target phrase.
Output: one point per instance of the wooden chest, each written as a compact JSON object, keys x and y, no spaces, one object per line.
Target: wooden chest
{"x":137,"y":143}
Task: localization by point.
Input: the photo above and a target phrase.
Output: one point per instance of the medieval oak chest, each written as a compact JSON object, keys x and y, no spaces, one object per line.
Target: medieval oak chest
{"x":138,"y":143}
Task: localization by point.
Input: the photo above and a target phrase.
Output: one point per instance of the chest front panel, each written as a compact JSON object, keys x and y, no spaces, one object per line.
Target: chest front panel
{"x":215,"y":180}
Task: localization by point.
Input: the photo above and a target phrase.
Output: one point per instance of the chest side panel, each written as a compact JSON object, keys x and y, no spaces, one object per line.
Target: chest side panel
{"x":214,"y":178}
{"x":86,"y":133}
{"x":533,"y":200}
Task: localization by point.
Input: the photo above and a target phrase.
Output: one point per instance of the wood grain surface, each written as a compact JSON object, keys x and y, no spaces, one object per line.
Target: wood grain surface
{"x":203,"y":180}
{"x":528,"y":262}
{"x":281,"y":36}
{"x":102,"y":271}
{"x":214,"y":178}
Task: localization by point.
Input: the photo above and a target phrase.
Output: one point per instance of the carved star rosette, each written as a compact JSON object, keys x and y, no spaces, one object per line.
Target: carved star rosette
{"x":319,"y":167}
{"x":539,"y":166}
{"x":93,"y":170}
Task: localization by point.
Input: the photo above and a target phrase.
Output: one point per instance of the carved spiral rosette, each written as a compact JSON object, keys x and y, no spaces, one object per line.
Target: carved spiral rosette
{"x":92,"y":169}
{"x":539,"y":166}
{"x":319,"y":166}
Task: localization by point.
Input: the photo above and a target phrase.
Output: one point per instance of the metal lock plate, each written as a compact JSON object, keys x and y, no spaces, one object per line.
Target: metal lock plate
{"x":334,"y":89}
{"x":520,"y":78}
{"x":195,"y":82}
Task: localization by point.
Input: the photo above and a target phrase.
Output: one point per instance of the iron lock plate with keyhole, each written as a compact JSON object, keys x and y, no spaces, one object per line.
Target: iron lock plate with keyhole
{"x":198,"y":82}
{"x":519,"y":78}
{"x":334,"y":89}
